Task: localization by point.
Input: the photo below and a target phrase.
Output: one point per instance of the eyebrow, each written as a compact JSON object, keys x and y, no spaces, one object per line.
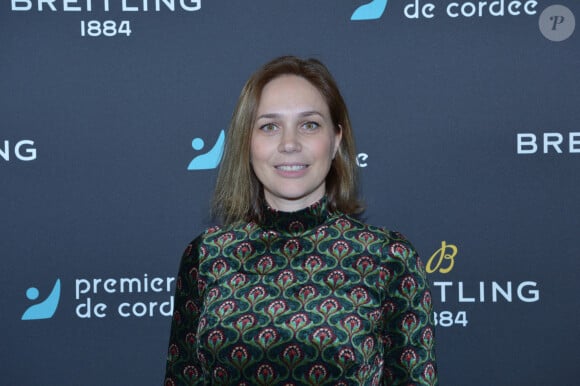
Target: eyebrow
{"x":308,"y":113}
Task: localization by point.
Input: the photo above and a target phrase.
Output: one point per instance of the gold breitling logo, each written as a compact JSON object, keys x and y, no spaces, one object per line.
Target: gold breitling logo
{"x":442,"y":259}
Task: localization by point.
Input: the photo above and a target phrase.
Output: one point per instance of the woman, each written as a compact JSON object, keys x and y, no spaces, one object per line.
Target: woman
{"x":293,"y":290}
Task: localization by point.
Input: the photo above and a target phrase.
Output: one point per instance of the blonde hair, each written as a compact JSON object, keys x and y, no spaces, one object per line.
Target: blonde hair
{"x":238,"y":193}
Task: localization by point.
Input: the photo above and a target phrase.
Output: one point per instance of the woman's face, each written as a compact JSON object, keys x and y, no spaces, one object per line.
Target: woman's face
{"x":293,"y":143}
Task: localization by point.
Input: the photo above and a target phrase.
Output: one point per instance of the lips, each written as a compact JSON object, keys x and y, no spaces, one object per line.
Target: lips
{"x":291,"y":167}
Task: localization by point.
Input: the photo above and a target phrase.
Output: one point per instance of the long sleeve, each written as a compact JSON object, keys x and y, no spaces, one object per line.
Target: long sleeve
{"x":183,"y":367}
{"x":408,"y":334}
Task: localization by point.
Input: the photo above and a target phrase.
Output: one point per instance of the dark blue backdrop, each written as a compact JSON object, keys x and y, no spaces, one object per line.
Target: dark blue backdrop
{"x":475,"y":117}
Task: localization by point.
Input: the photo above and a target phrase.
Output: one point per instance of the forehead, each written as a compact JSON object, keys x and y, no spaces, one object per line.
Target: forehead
{"x":291,"y":90}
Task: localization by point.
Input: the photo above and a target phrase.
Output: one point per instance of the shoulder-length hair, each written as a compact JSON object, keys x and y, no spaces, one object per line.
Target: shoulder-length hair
{"x":238,"y":193}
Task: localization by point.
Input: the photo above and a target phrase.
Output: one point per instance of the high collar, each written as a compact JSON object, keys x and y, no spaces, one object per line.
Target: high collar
{"x":298,"y":222}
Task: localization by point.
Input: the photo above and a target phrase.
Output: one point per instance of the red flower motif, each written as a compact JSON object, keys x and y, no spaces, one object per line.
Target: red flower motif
{"x":313,"y":264}
{"x":329,"y":306}
{"x":368,"y":345}
{"x":267,"y":336}
{"x":318,"y":373}
{"x":359,"y":296}
{"x":366,"y":237}
{"x":190,"y":338}
{"x":340,"y":249}
{"x":284,"y":278}
{"x":219,"y":268}
{"x":345,"y":357}
{"x":351,"y":324}
{"x":173,"y":352}
{"x":399,"y":250}
{"x":264,"y":265}
{"x":276,"y":308}
{"x":408,"y":286}
{"x":409,"y":358}
{"x":409,"y":323}
{"x":215,"y":339}
{"x":190,"y":372}
{"x":292,"y":355}
{"x":245,"y":322}
{"x":296,"y":227}
{"x":335,"y":279}
{"x":427,"y":337}
{"x":193,"y":274}
{"x":265,"y":372}
{"x":240,"y":355}
{"x":243,"y":251}
{"x":429,"y":373}
{"x":306,"y":294}
{"x":191,"y":307}
{"x":298,"y":321}
{"x":291,"y":248}
{"x":322,"y":336}
{"x":220,"y":373}
{"x":343,"y":224}
{"x":426,"y":302}
{"x":226,"y":308}
{"x":256,"y":294}
{"x":364,"y":265}
{"x":238,"y":280}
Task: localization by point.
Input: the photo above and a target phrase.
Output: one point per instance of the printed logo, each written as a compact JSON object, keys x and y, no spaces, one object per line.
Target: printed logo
{"x":421,"y":9}
{"x":370,"y":11}
{"x":552,"y":142}
{"x":452,"y":295}
{"x":557,"y":23}
{"x":46,"y":308}
{"x":210,"y":159}
{"x":446,"y":253}
{"x":362,"y":160}
{"x":23,"y":150}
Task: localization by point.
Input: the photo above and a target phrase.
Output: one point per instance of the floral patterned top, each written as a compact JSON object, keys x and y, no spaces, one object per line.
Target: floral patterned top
{"x":306,"y":298}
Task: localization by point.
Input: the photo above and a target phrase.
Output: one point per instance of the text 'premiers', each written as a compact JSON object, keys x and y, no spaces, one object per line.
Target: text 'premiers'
{"x":93,"y":297}
{"x":105,"y":27}
{"x":442,"y":261}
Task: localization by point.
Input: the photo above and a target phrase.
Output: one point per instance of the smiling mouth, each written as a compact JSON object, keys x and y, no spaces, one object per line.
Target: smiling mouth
{"x":291,"y":168}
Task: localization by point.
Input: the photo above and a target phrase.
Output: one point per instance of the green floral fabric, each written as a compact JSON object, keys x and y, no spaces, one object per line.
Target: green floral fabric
{"x":306,"y":298}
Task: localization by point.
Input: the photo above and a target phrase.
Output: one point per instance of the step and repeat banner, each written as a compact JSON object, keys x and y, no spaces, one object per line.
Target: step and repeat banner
{"x":112,"y":122}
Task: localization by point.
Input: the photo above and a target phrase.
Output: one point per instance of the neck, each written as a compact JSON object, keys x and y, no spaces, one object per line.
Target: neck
{"x":293,"y":205}
{"x":296,"y":222}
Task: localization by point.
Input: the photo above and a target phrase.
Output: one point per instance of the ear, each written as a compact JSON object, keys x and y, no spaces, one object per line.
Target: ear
{"x":337,"y":139}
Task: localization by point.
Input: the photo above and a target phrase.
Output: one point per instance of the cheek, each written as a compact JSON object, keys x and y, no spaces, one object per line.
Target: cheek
{"x":327,"y":149}
{"x":258,"y":152}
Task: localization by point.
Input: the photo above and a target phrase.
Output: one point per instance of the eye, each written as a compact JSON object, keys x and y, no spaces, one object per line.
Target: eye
{"x":268,"y":127}
{"x":309,"y":126}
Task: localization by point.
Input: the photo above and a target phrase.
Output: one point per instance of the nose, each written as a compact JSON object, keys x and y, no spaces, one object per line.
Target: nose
{"x":289,"y":142}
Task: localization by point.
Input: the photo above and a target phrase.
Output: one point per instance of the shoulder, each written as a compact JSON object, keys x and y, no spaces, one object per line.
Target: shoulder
{"x":217,"y":236}
{"x":380,"y":233}
{"x":387,"y":243}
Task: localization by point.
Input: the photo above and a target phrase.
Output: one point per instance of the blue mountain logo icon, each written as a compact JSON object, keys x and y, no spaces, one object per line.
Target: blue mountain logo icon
{"x":370,"y":11}
{"x":210,"y":159}
{"x":46,"y":308}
